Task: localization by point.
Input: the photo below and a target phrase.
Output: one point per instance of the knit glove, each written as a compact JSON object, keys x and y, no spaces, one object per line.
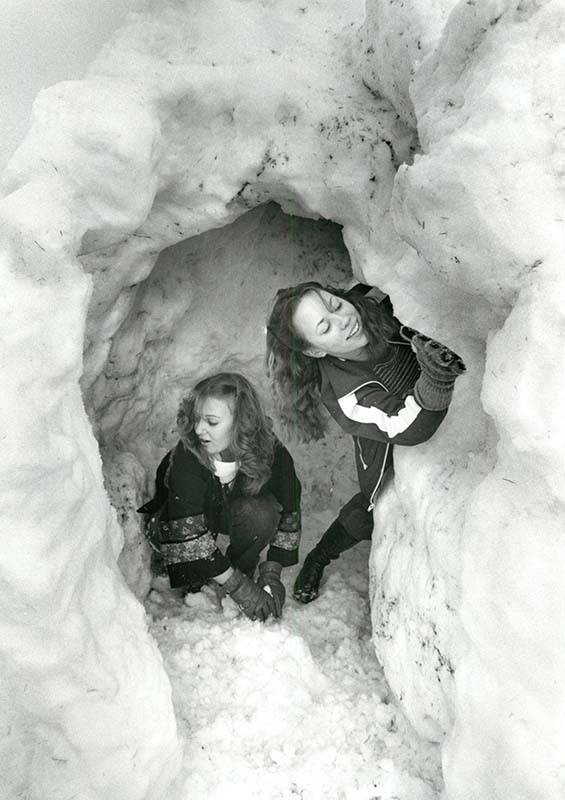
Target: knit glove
{"x":439,"y":366}
{"x":444,"y":356}
{"x":270,"y":579}
{"x":254,"y":601}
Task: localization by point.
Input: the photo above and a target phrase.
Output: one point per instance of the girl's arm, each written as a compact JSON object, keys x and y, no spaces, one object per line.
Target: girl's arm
{"x":187,"y":546}
{"x":410,"y":418}
{"x":413,"y":417}
{"x":374,"y":413}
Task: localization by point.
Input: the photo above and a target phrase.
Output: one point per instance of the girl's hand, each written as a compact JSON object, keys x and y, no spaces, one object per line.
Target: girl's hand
{"x":431,"y":354}
{"x":252,"y":599}
{"x":269,"y":580}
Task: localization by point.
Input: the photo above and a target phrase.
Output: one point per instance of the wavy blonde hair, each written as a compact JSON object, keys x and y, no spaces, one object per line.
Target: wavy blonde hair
{"x":295,"y":376}
{"x":253,"y":440}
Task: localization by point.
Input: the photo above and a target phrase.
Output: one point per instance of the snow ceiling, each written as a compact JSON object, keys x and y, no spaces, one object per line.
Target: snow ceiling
{"x":433,"y":133}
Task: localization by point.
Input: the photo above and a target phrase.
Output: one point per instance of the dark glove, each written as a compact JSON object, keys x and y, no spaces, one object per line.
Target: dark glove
{"x":440,"y":367}
{"x":254,"y":601}
{"x":270,"y":577}
{"x":439,"y":353}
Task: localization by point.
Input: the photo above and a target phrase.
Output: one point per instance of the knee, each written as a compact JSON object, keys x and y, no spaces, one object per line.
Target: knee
{"x":261,"y":512}
{"x":354,"y":517}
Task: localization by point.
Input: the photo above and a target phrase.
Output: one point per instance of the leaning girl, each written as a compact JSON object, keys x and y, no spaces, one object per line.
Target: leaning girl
{"x":382,"y":382}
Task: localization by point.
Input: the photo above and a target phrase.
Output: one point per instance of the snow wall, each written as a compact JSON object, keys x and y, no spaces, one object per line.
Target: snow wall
{"x":433,"y":134}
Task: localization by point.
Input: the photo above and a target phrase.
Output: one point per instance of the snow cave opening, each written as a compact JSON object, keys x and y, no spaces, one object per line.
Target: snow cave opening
{"x":202,"y":309}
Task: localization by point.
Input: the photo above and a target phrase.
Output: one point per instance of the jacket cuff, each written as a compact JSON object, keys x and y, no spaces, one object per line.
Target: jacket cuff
{"x":270,"y":568}
{"x":287,"y":540}
{"x":284,"y":547}
{"x":190,"y":552}
{"x":431,"y":395}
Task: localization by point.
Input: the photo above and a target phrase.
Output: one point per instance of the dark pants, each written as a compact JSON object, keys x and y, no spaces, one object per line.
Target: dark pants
{"x":252,"y":524}
{"x":354,"y":516}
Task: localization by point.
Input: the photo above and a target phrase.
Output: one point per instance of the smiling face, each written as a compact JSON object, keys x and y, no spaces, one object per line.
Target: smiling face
{"x":330,"y":325}
{"x":213,"y":425}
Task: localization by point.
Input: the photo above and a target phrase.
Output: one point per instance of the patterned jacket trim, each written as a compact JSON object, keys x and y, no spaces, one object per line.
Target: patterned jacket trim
{"x":191,"y":550}
{"x":290,"y":521}
{"x":286,"y":540}
{"x":183,"y":529}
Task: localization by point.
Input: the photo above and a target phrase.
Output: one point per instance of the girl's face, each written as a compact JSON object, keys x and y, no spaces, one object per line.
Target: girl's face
{"x":213,"y":425}
{"x":330,"y":325}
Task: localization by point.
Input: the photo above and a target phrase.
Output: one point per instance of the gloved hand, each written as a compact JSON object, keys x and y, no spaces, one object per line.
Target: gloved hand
{"x":270,"y":577}
{"x":254,"y":601}
{"x":439,"y":353}
{"x":440,"y":367}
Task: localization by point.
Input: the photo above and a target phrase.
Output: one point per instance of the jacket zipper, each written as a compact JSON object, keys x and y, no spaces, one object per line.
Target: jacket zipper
{"x":365,"y":466}
{"x":378,"y":483}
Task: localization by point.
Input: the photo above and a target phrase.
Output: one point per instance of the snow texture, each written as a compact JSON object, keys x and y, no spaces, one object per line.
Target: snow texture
{"x":433,"y":134}
{"x":291,"y":709}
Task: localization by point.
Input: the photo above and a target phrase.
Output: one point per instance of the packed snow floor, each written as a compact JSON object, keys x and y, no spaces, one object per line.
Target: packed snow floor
{"x":296,"y":708}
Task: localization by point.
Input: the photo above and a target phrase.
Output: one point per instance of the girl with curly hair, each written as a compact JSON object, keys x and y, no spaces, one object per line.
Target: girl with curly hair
{"x":384,"y":383}
{"x":228,"y":474}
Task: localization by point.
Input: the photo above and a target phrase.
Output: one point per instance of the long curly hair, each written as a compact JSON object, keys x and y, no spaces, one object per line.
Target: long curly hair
{"x":253,"y":439}
{"x":295,"y":376}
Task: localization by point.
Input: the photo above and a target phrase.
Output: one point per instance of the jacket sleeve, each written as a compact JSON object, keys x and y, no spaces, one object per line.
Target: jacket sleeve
{"x":161,"y":492}
{"x":374,"y":413}
{"x":286,"y":487}
{"x":187,"y":546}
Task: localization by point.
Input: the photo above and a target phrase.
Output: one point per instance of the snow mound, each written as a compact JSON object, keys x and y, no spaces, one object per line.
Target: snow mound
{"x":443,"y":163}
{"x":293,"y":708}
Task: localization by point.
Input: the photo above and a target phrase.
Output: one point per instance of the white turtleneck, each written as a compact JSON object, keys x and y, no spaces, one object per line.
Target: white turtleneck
{"x":226,"y":470}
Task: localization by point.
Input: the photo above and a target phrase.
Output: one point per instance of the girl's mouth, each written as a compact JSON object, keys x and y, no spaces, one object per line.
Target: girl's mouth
{"x":354,"y":330}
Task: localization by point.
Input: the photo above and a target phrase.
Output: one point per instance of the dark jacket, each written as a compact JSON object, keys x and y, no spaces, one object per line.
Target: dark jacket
{"x":192,"y":505}
{"x":374,"y":401}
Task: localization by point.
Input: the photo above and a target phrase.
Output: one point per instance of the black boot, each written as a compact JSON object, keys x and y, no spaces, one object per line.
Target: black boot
{"x":334,"y":542}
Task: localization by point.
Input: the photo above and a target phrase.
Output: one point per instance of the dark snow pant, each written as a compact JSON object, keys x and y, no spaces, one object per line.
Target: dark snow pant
{"x":252,"y":524}
{"x":354,"y":523}
{"x":354,"y":517}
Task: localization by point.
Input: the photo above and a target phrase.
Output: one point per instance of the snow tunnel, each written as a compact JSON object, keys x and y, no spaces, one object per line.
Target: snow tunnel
{"x":203,"y":309}
{"x":197,"y":167}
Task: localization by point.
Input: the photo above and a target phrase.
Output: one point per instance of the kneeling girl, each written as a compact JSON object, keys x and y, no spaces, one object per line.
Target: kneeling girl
{"x":228,"y":474}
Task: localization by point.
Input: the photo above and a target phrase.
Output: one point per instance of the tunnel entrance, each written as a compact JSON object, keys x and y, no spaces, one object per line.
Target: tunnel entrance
{"x":201,"y":310}
{"x":203,"y":307}
{"x":285,"y":709}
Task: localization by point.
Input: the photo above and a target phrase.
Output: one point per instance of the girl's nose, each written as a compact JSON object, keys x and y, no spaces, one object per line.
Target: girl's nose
{"x":199,"y":428}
